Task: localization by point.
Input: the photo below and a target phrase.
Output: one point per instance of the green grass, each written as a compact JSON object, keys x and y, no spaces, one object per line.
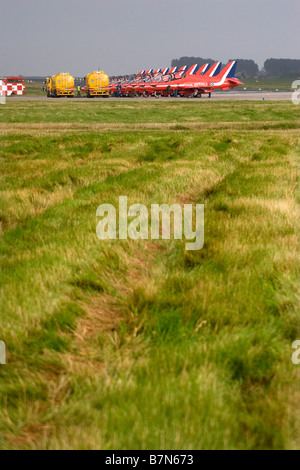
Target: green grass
{"x":34,"y":88}
{"x":142,"y":345}
{"x":256,"y":114}
{"x":269,"y":83}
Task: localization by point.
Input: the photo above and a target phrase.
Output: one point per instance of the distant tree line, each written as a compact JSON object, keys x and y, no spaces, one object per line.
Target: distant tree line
{"x":190,"y":61}
{"x":282,"y":67}
{"x":247,"y":68}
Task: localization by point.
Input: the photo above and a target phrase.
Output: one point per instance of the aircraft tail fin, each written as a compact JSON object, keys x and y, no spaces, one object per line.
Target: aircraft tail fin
{"x":193,"y":70}
{"x":232,"y":71}
{"x":228,"y":71}
{"x":165,"y":71}
{"x":203,"y":69}
{"x":183,"y":69}
{"x":214,"y":70}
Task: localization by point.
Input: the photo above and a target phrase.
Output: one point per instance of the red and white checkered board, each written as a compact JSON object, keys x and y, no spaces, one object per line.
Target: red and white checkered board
{"x":10,"y":88}
{"x":16,"y":88}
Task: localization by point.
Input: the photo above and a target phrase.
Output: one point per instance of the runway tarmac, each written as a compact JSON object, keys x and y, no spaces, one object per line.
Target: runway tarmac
{"x":218,"y":96}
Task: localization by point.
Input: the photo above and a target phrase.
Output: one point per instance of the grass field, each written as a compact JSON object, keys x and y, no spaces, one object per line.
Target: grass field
{"x":269,"y":83}
{"x":143,"y":345}
{"x":34,"y":88}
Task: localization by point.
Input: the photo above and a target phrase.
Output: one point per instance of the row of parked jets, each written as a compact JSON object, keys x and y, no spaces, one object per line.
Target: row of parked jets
{"x":182,"y":81}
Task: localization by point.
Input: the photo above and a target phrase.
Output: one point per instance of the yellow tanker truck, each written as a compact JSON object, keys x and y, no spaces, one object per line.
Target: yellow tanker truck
{"x":61,"y":85}
{"x":97,"y":84}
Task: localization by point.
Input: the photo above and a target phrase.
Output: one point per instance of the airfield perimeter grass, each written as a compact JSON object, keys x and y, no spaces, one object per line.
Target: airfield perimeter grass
{"x":34,"y":88}
{"x":143,"y":345}
{"x":269,"y":83}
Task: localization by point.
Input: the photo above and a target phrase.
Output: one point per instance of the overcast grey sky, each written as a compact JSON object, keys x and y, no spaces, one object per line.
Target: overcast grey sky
{"x":40,"y":37}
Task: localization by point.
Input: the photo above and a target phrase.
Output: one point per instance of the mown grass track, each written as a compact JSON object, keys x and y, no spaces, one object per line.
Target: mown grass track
{"x":127,"y":112}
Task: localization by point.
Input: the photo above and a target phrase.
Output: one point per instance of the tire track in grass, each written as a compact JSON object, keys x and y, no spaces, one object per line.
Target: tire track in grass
{"x":107,"y":312}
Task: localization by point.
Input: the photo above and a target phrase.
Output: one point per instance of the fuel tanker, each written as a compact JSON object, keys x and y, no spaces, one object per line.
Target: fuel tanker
{"x":97,"y":84}
{"x":61,"y":85}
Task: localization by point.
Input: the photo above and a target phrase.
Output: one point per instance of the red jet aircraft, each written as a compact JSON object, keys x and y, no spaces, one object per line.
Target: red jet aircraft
{"x":193,"y":86}
{"x":149,"y":87}
{"x":182,"y":82}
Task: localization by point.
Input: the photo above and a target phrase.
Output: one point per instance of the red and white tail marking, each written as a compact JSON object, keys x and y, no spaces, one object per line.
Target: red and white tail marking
{"x":193,"y":69}
{"x":203,"y":69}
{"x":227,"y":71}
